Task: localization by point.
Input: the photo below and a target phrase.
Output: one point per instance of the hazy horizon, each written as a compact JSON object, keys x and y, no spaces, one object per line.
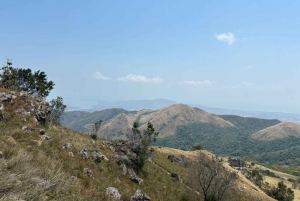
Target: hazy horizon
{"x":221,"y":54}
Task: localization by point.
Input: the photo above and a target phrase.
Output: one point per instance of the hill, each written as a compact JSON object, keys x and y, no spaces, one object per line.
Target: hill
{"x":278,"y":131}
{"x":165,"y":121}
{"x":49,"y":162}
{"x":84,"y":118}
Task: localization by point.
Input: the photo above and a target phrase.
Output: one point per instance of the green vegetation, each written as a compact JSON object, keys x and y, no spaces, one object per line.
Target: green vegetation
{"x":57,"y":109}
{"x":143,"y":139}
{"x":236,"y":141}
{"x":19,"y":79}
{"x":281,"y":192}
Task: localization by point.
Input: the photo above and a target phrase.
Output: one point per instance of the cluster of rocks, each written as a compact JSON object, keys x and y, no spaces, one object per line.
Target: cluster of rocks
{"x":126,"y":156}
{"x":32,"y":107}
{"x":5,"y":99}
{"x":114,"y":194}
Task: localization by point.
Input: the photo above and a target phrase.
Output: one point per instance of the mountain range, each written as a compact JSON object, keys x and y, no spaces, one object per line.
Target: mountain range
{"x":182,"y":127}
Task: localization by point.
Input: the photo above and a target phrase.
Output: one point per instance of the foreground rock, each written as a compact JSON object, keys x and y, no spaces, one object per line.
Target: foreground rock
{"x":113,"y":193}
{"x":133,"y":177}
{"x":140,"y":196}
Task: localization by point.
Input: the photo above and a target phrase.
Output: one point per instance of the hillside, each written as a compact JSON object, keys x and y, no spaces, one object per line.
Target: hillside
{"x":49,"y":162}
{"x":84,"y":118}
{"x":278,"y":131}
{"x":164,"y":120}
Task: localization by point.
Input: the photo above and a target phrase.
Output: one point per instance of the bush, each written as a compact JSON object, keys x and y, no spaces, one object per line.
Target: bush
{"x":35,"y":83}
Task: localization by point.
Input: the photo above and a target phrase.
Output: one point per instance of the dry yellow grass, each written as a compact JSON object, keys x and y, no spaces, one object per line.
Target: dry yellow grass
{"x":278,"y":131}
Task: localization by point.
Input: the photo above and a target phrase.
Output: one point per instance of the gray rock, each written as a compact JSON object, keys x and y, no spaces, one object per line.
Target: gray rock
{"x":112,"y":149}
{"x":125,"y":160}
{"x":133,"y":177}
{"x":98,"y":156}
{"x":124,"y":169}
{"x":48,"y":138}
{"x":1,"y":154}
{"x":176,"y":176}
{"x":84,"y":154}
{"x":140,"y":196}
{"x":93,"y":142}
{"x":23,"y":93}
{"x":88,"y":172}
{"x":66,"y":146}
{"x":113,"y":193}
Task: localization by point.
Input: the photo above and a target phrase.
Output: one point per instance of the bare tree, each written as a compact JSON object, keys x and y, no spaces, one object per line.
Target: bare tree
{"x":209,"y":176}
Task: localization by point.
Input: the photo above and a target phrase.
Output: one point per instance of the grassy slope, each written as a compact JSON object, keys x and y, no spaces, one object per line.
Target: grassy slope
{"x":103,"y":115}
{"x":46,"y":172}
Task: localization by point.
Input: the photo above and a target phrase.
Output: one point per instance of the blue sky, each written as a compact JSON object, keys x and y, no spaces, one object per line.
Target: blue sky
{"x":228,"y":54}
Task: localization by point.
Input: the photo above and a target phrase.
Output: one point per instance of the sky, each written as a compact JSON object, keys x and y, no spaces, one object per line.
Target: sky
{"x":226,"y":54}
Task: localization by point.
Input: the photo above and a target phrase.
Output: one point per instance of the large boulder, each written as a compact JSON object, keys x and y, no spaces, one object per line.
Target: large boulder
{"x":113,"y":193}
{"x":140,"y":196}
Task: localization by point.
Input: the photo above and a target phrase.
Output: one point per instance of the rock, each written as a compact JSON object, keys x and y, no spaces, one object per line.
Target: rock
{"x":46,"y":137}
{"x":113,"y":193}
{"x":112,"y":149}
{"x":42,"y":112}
{"x":84,"y":154}
{"x":22,"y":112}
{"x":71,"y":154}
{"x":93,"y":142}
{"x":25,"y":129}
{"x":98,"y":156}
{"x":11,"y":141}
{"x":1,"y":112}
{"x":133,"y":177}
{"x":42,"y":131}
{"x":125,"y":160}
{"x":124,"y":150}
{"x":88,"y":172}
{"x":66,"y":146}
{"x":140,"y":196}
{"x":124,"y":169}
{"x":23,"y":93}
{"x":176,"y":176}
{"x":1,"y":154}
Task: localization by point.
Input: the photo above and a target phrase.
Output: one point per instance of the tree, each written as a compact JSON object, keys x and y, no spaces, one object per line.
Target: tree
{"x":57,"y":109}
{"x":95,"y":131}
{"x":35,"y":84}
{"x":209,"y":176}
{"x":143,"y":139}
{"x":281,"y":192}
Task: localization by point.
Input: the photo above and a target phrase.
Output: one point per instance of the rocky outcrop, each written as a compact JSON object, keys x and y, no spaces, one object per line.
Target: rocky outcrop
{"x":113,"y":193}
{"x":98,"y":156}
{"x":140,"y":196}
{"x":133,"y":177}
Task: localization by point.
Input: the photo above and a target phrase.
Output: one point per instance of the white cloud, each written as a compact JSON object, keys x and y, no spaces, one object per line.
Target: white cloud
{"x":197,"y":83}
{"x":226,"y":37}
{"x":99,"y":76}
{"x":140,"y":78}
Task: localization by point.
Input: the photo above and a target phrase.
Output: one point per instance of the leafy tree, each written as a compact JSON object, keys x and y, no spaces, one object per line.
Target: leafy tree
{"x":281,"y":192}
{"x":35,"y":84}
{"x":57,"y":109}
{"x":95,"y":131}
{"x":144,"y":139}
{"x":208,"y":175}
{"x":255,"y":177}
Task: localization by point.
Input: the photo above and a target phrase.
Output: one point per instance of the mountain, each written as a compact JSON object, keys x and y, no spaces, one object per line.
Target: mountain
{"x":84,"y":118}
{"x":164,"y":120}
{"x":279,"y":131}
{"x":41,"y":161}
